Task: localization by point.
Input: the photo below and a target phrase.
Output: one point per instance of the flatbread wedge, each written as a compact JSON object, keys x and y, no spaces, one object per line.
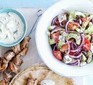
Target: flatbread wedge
{"x":38,"y":73}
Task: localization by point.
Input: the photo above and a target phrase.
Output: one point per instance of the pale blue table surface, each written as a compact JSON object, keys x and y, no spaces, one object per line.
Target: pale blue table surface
{"x":26,"y":3}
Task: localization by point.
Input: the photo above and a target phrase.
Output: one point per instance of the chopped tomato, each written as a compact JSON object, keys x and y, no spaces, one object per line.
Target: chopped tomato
{"x":71,"y":53}
{"x":64,"y":48}
{"x":55,"y":36}
{"x":57,"y":54}
{"x":87,"y":44}
{"x":72,"y":25}
{"x":76,"y":53}
{"x":86,"y":19}
{"x":71,"y":48}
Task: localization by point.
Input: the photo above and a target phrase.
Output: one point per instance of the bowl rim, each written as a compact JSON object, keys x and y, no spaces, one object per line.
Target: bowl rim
{"x":21,"y":16}
{"x":49,"y":64}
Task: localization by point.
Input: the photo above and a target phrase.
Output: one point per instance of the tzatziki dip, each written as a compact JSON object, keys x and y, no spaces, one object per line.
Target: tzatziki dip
{"x":11,"y":28}
{"x":47,"y":82}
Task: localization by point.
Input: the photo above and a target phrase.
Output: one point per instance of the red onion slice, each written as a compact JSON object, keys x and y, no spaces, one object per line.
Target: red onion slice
{"x":68,"y":47}
{"x":57,"y":28}
{"x":80,"y":46}
{"x":66,"y":27}
{"x":55,"y":21}
{"x":78,"y":62}
{"x":80,"y":22}
{"x":76,"y":57}
{"x":75,"y":63}
{"x":55,"y":47}
{"x":91,"y":38}
{"x":63,"y":23}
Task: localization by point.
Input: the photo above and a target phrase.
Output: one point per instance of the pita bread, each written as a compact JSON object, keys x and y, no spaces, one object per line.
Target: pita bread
{"x":40,"y":72}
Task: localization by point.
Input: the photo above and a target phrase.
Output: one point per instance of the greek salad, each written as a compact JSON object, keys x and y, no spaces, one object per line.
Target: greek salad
{"x":71,"y":37}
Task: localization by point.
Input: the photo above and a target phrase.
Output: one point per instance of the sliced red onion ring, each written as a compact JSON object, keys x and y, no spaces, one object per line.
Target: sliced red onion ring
{"x":63,"y":23}
{"x":66,"y":27}
{"x":85,"y":53}
{"x":80,"y":22}
{"x":91,"y":38}
{"x":73,"y":46}
{"x":55,"y":47}
{"x":76,"y":57}
{"x":80,"y":46}
{"x":75,"y":63}
{"x":78,"y":62}
{"x":55,"y":21}
{"x":68,"y":47}
{"x":57,"y":28}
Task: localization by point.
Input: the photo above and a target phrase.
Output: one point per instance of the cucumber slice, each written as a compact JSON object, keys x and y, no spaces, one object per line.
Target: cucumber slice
{"x":88,"y":37}
{"x":51,"y":41}
{"x":92,"y":47}
{"x":60,"y":43}
{"x":84,"y":58}
{"x":51,"y":27}
{"x":73,"y":14}
{"x":75,"y":36}
{"x":80,"y":14}
{"x":90,"y":29}
{"x":89,"y":58}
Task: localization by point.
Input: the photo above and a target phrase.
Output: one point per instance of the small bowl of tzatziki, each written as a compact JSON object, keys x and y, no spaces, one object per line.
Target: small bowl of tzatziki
{"x":12,"y":27}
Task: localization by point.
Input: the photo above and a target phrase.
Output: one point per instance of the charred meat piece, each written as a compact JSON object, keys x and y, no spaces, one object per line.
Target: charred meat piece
{"x":3,"y":82}
{"x":9,"y":55}
{"x":3,"y":67}
{"x":24,"y":51}
{"x":0,"y":63}
{"x":31,"y":81}
{"x":7,"y":76}
{"x":11,"y":60}
{"x":0,"y":59}
{"x":25,"y":42}
{"x":17,"y":60}
{"x":13,"y":68}
{"x":5,"y":60}
{"x":3,"y":64}
{"x":16,"y":49}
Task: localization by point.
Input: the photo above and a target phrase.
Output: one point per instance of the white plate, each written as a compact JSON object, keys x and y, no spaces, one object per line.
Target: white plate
{"x":43,"y":47}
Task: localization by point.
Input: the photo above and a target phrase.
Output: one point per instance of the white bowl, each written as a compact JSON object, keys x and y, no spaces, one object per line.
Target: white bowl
{"x":43,"y":46}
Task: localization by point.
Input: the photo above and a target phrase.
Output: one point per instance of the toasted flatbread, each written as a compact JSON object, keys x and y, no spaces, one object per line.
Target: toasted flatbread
{"x":40,"y":72}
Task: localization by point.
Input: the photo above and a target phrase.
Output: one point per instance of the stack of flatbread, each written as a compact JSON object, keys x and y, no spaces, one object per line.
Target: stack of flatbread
{"x":40,"y":75}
